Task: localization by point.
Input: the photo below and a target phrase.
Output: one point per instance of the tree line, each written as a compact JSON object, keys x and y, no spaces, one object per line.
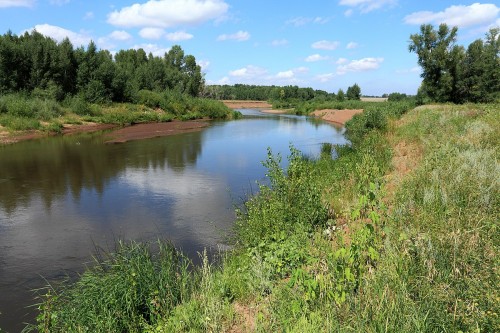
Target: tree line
{"x":36,"y":64}
{"x":453,"y":73}
{"x":277,"y":93}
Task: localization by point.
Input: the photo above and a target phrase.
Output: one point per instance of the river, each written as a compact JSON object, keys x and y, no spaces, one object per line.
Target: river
{"x":63,"y":197}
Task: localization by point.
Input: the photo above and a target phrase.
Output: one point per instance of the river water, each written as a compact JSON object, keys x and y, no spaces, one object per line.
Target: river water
{"x":63,"y":197}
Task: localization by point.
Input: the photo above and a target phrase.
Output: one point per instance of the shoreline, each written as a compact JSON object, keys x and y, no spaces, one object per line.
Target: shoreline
{"x":339,"y":117}
{"x":119,"y":134}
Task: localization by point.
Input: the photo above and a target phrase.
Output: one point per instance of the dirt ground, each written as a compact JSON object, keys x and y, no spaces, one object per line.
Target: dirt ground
{"x":122,"y":134}
{"x":336,"y":116}
{"x":153,"y":130}
{"x":7,"y":137}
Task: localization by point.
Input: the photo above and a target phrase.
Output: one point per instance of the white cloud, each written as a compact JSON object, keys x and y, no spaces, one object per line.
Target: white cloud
{"x":325,"y":45}
{"x":155,"y":49}
{"x":325,"y":77}
{"x":415,"y":69}
{"x":362,"y":65}
{"x":321,"y":20}
{"x":120,"y":35}
{"x":351,"y":45}
{"x":348,"y":13}
{"x":58,"y":33}
{"x":178,"y":36}
{"x":59,"y":2}
{"x":204,"y":64}
{"x":298,"y":21}
{"x":88,"y":16}
{"x":16,"y":3}
{"x":315,"y":57}
{"x":301,"y":21}
{"x":291,"y":76}
{"x":168,"y":13}
{"x":151,"y":33}
{"x":106,"y":42}
{"x":461,"y":16}
{"x":341,"y":61}
{"x":300,"y":70}
{"x":366,"y":6}
{"x":285,"y":75}
{"x":279,"y":42}
{"x":223,"y":81}
{"x":239,"y":36}
{"x":248,"y":72}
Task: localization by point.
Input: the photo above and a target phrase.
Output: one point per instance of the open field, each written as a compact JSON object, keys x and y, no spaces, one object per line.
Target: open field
{"x":241,"y":104}
{"x":374,"y":99}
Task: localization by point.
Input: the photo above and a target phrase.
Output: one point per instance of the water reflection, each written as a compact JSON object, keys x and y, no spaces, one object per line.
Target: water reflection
{"x":60,"y":197}
{"x":51,"y":167}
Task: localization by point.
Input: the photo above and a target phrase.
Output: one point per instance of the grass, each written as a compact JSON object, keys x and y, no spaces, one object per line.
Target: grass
{"x":325,"y":248}
{"x":21,"y":112}
{"x":123,"y":291}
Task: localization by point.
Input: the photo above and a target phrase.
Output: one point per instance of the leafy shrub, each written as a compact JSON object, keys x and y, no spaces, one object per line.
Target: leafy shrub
{"x":149,"y":98}
{"x":47,"y":109}
{"x":19,"y":123}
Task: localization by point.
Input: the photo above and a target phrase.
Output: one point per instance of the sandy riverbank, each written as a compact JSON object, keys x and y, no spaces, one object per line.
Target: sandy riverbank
{"x":336,"y":116}
{"x":153,"y":130}
{"x":120,"y":134}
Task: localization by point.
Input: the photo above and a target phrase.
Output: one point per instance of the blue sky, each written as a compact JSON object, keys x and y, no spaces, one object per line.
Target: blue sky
{"x":317,"y":43}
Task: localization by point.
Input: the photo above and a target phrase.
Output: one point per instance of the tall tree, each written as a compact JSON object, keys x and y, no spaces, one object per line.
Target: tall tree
{"x":438,"y":56}
{"x":491,"y":75}
{"x":340,"y":95}
{"x":354,"y":92}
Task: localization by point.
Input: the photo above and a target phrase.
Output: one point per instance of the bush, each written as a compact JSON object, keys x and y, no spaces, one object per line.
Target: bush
{"x":19,"y":123}
{"x":149,"y":98}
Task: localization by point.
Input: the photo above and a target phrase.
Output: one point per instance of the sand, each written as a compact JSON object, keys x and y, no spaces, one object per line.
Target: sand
{"x":336,"y":116}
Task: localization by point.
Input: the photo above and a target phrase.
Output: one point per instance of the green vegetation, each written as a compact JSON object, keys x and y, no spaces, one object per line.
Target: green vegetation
{"x":281,"y":97}
{"x":42,"y":83}
{"x":358,"y":243}
{"x":19,"y":112}
{"x":452,"y":74}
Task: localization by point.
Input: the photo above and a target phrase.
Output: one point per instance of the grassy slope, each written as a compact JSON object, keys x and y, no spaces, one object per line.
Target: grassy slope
{"x":397,"y":235}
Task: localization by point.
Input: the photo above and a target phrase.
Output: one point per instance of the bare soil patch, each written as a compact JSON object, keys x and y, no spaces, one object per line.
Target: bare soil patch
{"x":238,"y":104}
{"x":406,"y":157}
{"x":336,"y":116}
{"x":153,"y":130}
{"x":7,"y":137}
{"x":245,"y":318}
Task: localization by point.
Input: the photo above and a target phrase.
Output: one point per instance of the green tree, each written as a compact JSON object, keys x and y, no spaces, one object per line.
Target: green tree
{"x":439,"y":58}
{"x":491,"y":74}
{"x":354,"y":92}
{"x":340,"y":95}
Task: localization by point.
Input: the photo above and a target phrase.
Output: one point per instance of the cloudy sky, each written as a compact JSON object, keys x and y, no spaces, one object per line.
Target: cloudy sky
{"x":324,"y":44}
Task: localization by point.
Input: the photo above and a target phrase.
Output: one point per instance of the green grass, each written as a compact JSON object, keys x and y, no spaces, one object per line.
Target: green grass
{"x":19,"y":112}
{"x":123,"y":291}
{"x":324,"y":248}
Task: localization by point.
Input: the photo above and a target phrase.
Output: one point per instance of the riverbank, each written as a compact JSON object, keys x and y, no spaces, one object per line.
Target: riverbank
{"x":339,"y":117}
{"x":363,"y":241}
{"x":24,"y":117}
{"x":118,"y":133}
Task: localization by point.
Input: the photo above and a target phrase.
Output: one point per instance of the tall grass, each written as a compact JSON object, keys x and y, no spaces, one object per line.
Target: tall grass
{"x":124,"y":291}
